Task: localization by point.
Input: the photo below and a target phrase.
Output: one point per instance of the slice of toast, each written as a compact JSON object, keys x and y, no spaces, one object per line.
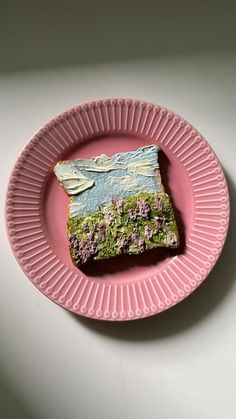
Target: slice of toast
{"x":117,"y":205}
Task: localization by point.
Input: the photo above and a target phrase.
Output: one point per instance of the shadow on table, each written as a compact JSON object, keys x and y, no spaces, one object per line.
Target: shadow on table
{"x":11,"y":406}
{"x":192,"y":310}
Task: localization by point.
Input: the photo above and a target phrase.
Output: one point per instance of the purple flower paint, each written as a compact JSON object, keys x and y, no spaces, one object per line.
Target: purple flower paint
{"x":171,"y":239}
{"x":132,"y":214}
{"x":108,"y":216}
{"x":148,"y":232}
{"x":102,"y":230}
{"x":159,"y":204}
{"x":144,"y":208}
{"x":119,"y":203}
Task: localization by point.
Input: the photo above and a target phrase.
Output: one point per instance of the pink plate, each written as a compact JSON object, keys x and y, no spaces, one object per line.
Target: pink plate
{"x":127,"y":287}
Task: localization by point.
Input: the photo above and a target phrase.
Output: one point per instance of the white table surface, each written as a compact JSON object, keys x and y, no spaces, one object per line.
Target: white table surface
{"x":180,"y":364}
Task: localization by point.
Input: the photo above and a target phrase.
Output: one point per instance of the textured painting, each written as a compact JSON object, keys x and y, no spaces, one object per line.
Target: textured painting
{"x":117,"y":205}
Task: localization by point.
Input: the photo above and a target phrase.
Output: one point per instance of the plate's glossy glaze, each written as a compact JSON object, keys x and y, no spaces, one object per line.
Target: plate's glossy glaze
{"x":127,"y":287}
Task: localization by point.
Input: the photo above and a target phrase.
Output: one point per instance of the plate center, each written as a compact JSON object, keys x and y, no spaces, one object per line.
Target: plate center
{"x":124,"y":267}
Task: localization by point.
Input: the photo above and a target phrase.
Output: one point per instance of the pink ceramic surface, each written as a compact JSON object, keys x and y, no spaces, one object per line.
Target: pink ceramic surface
{"x":127,"y":287}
